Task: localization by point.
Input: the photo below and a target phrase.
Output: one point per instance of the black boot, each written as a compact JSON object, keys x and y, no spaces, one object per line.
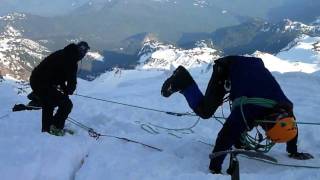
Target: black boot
{"x":178,"y":81}
{"x":214,"y":169}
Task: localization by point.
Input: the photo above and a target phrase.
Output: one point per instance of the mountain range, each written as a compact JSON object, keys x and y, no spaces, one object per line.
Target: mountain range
{"x":107,"y":23}
{"x":118,"y":29}
{"x":136,"y":123}
{"x":245,"y":38}
{"x":253,"y":35}
{"x":19,"y":54}
{"x":156,"y":55}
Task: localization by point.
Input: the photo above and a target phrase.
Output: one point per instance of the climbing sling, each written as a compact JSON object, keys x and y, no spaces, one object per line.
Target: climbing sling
{"x":249,"y":142}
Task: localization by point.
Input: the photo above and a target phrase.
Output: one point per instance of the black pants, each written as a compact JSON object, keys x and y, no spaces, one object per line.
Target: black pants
{"x":50,"y":98}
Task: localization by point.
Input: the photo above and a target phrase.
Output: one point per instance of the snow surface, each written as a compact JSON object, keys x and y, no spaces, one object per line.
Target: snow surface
{"x":277,"y":64}
{"x":302,"y":55}
{"x":28,"y":154}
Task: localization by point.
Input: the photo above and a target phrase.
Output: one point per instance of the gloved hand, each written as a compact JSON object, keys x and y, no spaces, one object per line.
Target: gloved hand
{"x":70,"y":90}
{"x":300,"y":156}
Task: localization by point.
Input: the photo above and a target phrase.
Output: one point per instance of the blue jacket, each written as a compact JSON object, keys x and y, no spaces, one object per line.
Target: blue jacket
{"x":249,"y":77}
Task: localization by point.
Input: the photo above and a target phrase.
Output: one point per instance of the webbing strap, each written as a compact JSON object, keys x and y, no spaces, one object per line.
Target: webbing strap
{"x":243,"y":100}
{"x":268,"y":103}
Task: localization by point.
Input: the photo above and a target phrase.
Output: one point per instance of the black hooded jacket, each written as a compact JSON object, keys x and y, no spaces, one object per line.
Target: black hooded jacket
{"x":58,"y":69}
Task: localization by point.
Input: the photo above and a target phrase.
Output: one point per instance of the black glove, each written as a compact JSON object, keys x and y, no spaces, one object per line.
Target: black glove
{"x":70,"y":90}
{"x":300,"y":156}
{"x":178,"y":81}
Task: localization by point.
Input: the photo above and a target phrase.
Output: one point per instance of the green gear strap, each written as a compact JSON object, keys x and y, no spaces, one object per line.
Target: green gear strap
{"x":243,"y":100}
{"x":268,"y":103}
{"x":250,"y":142}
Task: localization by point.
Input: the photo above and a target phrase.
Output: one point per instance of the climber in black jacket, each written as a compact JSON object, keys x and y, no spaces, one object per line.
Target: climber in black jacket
{"x":53,"y":80}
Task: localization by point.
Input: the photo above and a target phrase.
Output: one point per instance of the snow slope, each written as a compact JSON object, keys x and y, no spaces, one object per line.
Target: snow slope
{"x":26,"y":153}
{"x":306,"y":49}
{"x":302,"y":55}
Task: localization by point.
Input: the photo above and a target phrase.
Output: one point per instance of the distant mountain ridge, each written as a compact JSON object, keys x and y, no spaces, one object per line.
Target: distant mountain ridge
{"x":254,"y":35}
{"x":302,"y":54}
{"x":156,"y":55}
{"x":117,"y":30}
{"x":18,"y":55}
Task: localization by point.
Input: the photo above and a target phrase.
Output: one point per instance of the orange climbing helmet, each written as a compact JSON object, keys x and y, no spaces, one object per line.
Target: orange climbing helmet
{"x":284,"y":130}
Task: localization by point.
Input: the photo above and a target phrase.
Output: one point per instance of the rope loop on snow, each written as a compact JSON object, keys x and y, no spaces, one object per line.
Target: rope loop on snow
{"x":153,"y":129}
{"x":92,"y":133}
